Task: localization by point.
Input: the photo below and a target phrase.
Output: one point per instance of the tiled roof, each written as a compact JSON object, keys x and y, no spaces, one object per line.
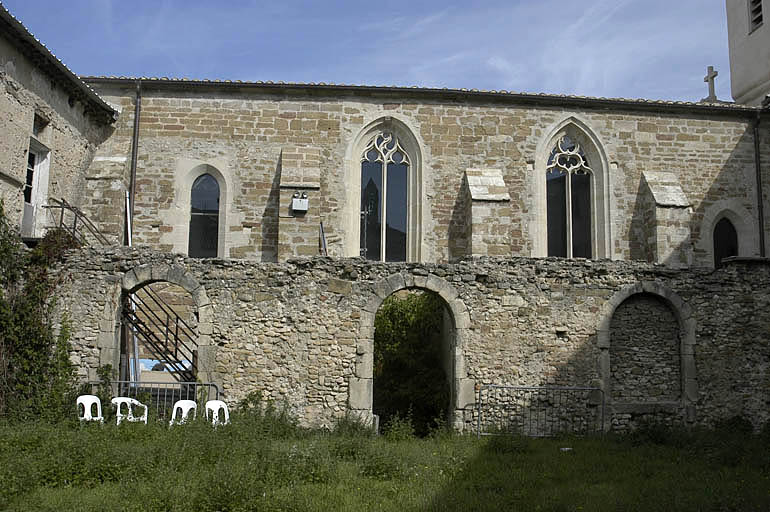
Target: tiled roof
{"x":19,"y":35}
{"x":520,"y":96}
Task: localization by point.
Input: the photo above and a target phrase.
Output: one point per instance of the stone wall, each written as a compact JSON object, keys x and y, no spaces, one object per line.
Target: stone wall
{"x":68,"y":139}
{"x":301,"y":332}
{"x":245,"y":131}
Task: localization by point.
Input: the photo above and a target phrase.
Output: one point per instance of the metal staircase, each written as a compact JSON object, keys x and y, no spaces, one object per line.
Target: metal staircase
{"x":167,"y":336}
{"x":150,"y":319}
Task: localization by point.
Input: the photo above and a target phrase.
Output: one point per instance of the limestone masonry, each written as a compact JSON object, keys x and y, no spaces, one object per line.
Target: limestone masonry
{"x":615,"y":244}
{"x":682,"y":346}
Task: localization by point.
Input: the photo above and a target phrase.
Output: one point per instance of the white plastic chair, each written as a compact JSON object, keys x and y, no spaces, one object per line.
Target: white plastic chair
{"x":123,"y":402}
{"x":215,"y":406}
{"x":88,"y":402}
{"x":183,"y":407}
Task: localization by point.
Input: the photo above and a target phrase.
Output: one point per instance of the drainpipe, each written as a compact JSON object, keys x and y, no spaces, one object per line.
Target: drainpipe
{"x":134,"y":152}
{"x":760,"y":200}
{"x":133,"y":347}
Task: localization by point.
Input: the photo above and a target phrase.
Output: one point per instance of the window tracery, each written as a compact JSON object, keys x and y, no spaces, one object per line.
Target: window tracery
{"x":568,"y":191}
{"x":385,"y":167}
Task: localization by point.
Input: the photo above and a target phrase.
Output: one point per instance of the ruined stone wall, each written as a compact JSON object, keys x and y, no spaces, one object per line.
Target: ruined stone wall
{"x":245,"y":132}
{"x":301,"y":332}
{"x":70,"y":137}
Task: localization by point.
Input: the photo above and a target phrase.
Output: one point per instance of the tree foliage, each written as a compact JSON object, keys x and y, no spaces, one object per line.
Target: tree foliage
{"x":36,"y":375}
{"x":409,"y":377}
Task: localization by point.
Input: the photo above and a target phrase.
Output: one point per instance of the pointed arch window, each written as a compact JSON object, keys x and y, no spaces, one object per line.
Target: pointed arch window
{"x":568,"y":196}
{"x":204,"y":217}
{"x":725,"y":241}
{"x":385,"y":171}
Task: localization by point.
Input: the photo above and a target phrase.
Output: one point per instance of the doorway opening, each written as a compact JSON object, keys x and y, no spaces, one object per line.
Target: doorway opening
{"x":413,"y":363}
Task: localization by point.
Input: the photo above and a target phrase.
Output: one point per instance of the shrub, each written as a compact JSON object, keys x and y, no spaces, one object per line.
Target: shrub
{"x":36,"y":376}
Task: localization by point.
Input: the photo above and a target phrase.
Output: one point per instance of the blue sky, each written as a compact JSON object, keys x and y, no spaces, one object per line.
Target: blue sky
{"x":657,"y":49}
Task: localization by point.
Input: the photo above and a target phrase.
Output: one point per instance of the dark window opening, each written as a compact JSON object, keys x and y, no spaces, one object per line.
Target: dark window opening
{"x":568,"y":201}
{"x":581,"y":216}
{"x":725,"y":241}
{"x":31,"y":162}
{"x":384,"y":203}
{"x":204,"y":218}
{"x":755,"y":14}
{"x":556,"y":184}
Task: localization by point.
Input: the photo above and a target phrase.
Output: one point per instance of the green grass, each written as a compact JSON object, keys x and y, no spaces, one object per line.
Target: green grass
{"x":265,"y":462}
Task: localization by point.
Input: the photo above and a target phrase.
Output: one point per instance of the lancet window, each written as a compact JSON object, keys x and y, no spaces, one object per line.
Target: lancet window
{"x":385,"y":168}
{"x":204,"y":217}
{"x":725,"y":241}
{"x":568,"y":191}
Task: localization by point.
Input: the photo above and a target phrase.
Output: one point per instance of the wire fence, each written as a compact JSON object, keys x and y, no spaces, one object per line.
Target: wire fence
{"x":539,"y":411}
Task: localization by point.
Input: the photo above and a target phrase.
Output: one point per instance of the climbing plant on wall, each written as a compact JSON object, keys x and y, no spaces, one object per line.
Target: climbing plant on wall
{"x":409,"y":379}
{"x":36,"y":375}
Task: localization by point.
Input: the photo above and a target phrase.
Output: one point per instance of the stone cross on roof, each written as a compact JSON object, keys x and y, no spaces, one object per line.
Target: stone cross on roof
{"x":710,"y":76}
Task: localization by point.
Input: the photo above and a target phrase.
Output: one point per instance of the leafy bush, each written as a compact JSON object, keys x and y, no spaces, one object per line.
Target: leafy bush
{"x":36,"y":376}
{"x":408,"y":367}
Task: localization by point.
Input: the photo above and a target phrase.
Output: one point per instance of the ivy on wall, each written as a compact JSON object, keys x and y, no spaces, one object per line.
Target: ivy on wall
{"x":36,"y":375}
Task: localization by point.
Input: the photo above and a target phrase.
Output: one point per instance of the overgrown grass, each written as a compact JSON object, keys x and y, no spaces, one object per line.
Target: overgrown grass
{"x":264,"y":461}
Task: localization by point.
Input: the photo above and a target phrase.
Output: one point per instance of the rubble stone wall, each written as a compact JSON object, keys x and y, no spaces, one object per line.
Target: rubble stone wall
{"x":301,"y":332}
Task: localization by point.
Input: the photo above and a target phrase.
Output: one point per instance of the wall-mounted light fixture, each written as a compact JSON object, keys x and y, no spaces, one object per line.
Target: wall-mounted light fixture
{"x":299,"y":202}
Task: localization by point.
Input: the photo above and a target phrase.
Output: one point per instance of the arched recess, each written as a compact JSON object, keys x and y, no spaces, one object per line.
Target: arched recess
{"x":361,"y":385}
{"x":580,"y":132}
{"x":144,"y":275}
{"x":351,"y":213}
{"x":188,"y":172}
{"x":743,"y":222}
{"x":684,"y":317}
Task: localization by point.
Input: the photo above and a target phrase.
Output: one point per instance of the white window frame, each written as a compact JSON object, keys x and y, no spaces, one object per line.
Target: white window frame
{"x":32,"y":224}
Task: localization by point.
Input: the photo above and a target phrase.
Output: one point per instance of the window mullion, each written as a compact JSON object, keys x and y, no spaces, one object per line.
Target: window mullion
{"x":383,"y":209}
{"x":569,"y":214}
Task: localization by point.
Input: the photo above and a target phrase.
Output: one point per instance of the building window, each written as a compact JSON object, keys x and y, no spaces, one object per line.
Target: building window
{"x":725,"y":241}
{"x":755,"y":15}
{"x":30,"y":182}
{"x":568,"y":197}
{"x":204,"y":218}
{"x":385,"y":169}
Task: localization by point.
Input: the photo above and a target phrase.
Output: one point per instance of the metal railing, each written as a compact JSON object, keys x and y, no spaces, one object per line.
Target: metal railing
{"x":539,"y":411}
{"x":164,"y":332}
{"x":159,"y":397}
{"x":75,"y":222}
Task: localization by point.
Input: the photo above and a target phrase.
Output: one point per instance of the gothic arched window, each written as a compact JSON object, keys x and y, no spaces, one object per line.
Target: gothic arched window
{"x":568,"y":196}
{"x":384,"y":192}
{"x":725,"y":241}
{"x":204,"y":217}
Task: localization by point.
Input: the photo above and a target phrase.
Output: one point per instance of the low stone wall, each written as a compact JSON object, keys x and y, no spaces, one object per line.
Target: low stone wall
{"x":301,"y":332}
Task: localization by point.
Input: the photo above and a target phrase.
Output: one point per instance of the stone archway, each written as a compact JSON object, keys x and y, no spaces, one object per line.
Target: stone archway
{"x":686,"y":325}
{"x":178,"y":275}
{"x":461,"y":387}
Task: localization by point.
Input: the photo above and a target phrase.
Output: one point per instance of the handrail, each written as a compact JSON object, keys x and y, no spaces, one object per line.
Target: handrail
{"x":64,"y":206}
{"x":159,"y":322}
{"x":168,"y":310}
{"x":156,"y":344}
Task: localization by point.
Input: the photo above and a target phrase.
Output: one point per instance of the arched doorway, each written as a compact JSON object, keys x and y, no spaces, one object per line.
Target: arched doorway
{"x":462,"y":389}
{"x":412,"y":360}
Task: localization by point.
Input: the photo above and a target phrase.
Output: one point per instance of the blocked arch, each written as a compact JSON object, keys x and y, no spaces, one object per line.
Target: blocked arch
{"x":600,"y":186}
{"x":399,"y":126}
{"x":462,"y":389}
{"x":743,"y":222}
{"x":143,"y":275}
{"x":682,"y":313}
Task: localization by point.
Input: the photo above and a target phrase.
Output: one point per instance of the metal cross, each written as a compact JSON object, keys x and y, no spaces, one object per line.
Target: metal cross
{"x":710,"y":76}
